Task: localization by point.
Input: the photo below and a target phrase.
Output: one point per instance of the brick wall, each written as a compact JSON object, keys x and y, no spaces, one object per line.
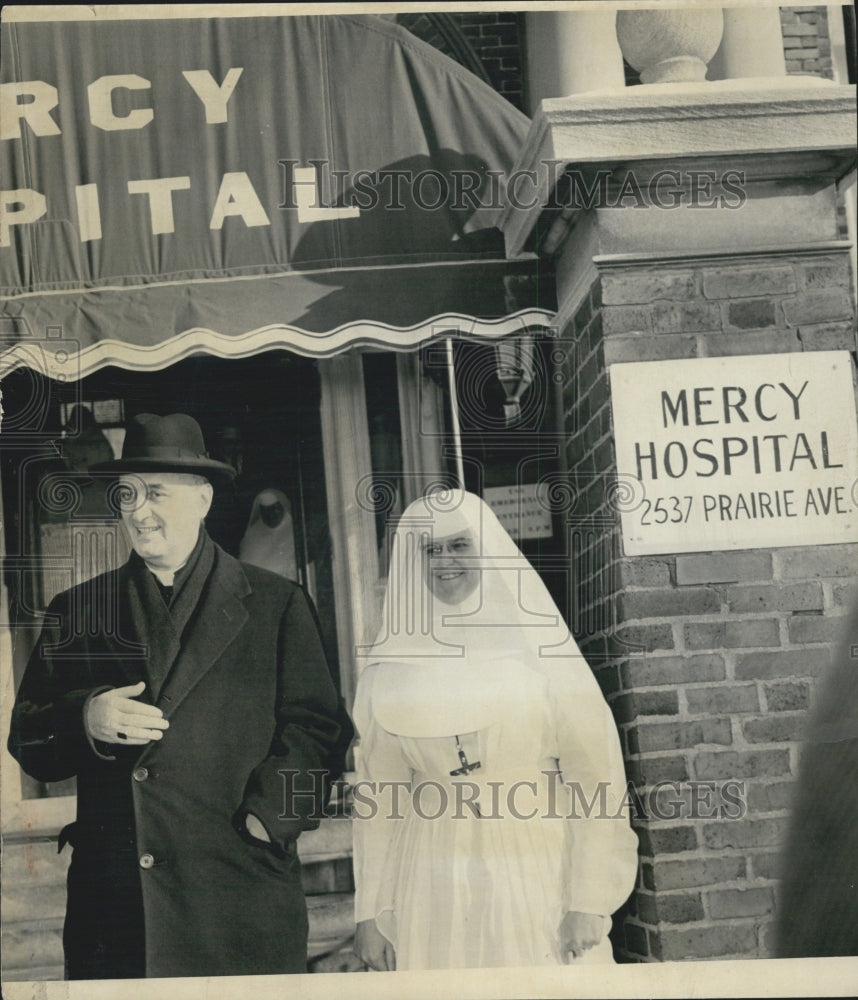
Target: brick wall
{"x":736,"y":642}
{"x":807,"y":46}
{"x":708,"y":660}
{"x":681,"y":310}
{"x":498,"y":39}
{"x":495,"y":38}
{"x":592,"y":525}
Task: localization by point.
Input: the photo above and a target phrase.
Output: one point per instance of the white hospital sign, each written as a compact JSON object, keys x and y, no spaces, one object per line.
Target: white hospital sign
{"x":737,"y":453}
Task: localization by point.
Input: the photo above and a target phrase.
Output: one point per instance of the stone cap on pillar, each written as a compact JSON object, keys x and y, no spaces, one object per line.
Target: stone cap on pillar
{"x":803,"y":123}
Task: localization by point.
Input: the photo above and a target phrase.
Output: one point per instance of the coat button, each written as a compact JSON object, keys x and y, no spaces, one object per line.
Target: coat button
{"x":140,"y":773}
{"x":146,"y":861}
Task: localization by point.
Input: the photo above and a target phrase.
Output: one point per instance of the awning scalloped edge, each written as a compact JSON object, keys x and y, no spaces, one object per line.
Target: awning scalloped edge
{"x":54,"y":361}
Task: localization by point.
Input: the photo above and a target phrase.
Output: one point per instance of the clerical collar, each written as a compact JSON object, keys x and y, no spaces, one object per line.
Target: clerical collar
{"x":170,"y":591}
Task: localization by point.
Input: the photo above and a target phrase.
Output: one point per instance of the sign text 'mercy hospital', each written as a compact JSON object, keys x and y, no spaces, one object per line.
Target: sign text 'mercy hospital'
{"x":309,"y":186}
{"x":32,"y":104}
{"x":737,"y":452}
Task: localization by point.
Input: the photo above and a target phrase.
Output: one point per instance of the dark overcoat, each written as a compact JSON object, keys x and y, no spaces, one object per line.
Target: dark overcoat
{"x":817,"y":913}
{"x":164,"y":880}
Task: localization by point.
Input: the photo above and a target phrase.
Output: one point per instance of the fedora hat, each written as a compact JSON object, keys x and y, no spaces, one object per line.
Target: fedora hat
{"x":165,"y":444}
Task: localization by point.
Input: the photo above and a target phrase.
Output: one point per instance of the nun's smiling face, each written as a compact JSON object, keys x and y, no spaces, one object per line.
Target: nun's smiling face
{"x":446,"y":564}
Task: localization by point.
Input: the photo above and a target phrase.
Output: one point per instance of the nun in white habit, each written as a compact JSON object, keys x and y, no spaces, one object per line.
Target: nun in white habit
{"x":269,"y":541}
{"x":491,"y":820}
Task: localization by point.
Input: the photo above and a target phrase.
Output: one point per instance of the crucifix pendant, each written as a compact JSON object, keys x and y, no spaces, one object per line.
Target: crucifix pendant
{"x":467,"y":766}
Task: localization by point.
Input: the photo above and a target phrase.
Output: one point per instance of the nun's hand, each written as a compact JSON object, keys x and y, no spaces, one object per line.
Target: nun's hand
{"x":580,"y":931}
{"x":373,"y":948}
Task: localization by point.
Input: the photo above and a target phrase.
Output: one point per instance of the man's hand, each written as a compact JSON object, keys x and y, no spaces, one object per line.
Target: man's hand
{"x":373,"y":948}
{"x":580,"y":931}
{"x":115,"y":717}
{"x":255,"y":828}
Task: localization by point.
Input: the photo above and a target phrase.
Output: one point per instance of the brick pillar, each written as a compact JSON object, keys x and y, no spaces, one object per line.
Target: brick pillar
{"x":707,"y":658}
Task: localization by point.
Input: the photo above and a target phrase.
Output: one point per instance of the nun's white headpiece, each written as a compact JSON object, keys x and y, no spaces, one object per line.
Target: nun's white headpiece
{"x":431,"y":652}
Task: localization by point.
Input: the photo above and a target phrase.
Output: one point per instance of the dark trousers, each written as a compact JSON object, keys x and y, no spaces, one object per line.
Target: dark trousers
{"x":104,"y":935}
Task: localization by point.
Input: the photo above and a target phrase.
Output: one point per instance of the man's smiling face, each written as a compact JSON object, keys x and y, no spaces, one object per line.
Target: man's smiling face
{"x":162,"y":513}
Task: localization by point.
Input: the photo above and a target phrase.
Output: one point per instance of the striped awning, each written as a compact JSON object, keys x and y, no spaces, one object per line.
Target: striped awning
{"x":233,"y":184}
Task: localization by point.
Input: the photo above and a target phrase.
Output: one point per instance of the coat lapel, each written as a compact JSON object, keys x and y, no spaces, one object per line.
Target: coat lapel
{"x":219,"y":617}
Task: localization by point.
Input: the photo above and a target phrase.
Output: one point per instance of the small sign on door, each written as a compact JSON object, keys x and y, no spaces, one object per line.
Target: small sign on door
{"x":518,"y":509}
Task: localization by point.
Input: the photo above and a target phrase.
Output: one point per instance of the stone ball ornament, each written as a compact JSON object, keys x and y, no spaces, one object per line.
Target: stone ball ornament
{"x":670,"y":46}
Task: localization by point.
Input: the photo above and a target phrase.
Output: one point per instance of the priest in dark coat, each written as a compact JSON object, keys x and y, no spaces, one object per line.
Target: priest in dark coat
{"x":190,"y":696}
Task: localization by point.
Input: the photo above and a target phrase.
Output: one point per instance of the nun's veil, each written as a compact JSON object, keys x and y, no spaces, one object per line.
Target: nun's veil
{"x":430,"y":651}
{"x":511,"y":604}
{"x":269,"y":541}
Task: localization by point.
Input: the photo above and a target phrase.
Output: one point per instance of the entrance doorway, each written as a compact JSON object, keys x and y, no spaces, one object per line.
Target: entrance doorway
{"x":337,"y":446}
{"x":260,"y":414}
